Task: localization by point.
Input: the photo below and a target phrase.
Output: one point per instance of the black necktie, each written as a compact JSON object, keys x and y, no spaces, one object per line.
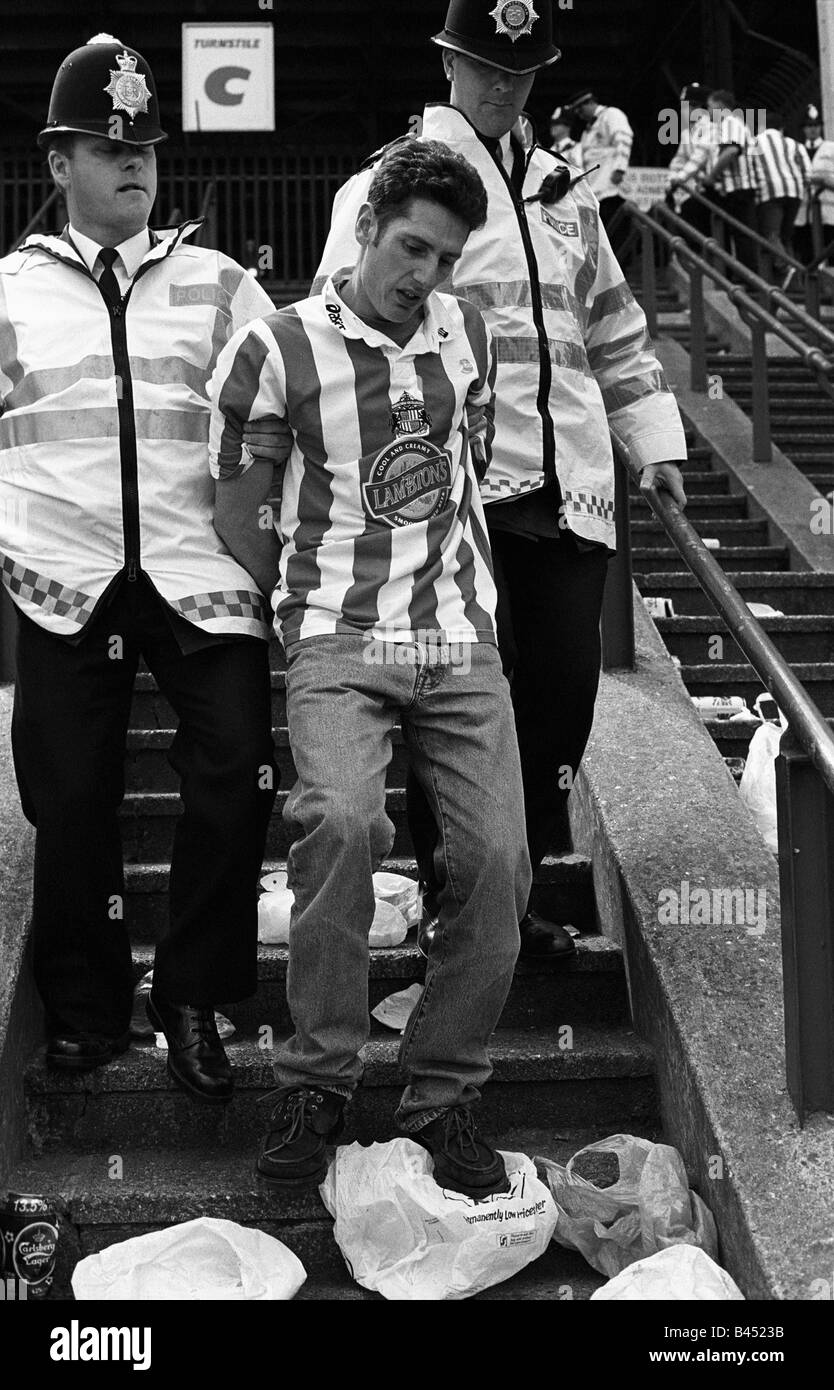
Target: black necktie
{"x":108,"y":284}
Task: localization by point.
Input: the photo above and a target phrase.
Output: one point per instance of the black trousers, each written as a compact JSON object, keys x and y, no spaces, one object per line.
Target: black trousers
{"x":549,"y":608}
{"x":72,"y":705}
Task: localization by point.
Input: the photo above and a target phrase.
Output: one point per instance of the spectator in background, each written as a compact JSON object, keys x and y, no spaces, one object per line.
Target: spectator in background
{"x":822,"y":189}
{"x":606,"y":140}
{"x":562,"y":142}
{"x":692,"y":161}
{"x":730,"y":179}
{"x":781,"y":170}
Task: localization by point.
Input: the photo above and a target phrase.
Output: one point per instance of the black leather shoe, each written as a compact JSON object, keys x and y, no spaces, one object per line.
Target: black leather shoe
{"x":541,"y":938}
{"x":83,"y":1051}
{"x":294,"y":1152}
{"x":463,"y":1160}
{"x":428,"y":924}
{"x":196,"y":1060}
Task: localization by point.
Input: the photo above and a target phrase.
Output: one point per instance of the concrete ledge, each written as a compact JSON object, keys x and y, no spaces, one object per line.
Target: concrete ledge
{"x":655,"y":807}
{"x":776,"y":490}
{"x":21,"y":1014}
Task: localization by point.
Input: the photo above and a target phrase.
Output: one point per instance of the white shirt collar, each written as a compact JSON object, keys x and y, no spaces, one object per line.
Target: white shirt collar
{"x":431,"y":333}
{"x":133,"y":251}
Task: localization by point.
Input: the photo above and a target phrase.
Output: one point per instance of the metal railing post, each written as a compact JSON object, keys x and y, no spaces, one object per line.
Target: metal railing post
{"x":618,"y":598}
{"x":812,"y":293}
{"x":649,"y":278}
{"x":805,"y":811}
{"x":762,"y":450}
{"x":698,"y":333}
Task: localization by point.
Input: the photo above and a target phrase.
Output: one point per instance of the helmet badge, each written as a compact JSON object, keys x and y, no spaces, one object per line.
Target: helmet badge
{"x":514,"y":18}
{"x":128,"y":87}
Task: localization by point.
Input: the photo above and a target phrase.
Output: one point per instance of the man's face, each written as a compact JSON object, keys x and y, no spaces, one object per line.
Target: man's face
{"x":811,"y":132}
{"x":402,"y":261}
{"x":492,"y":99}
{"x":559,"y":130}
{"x":586,"y":111}
{"x":109,"y":187}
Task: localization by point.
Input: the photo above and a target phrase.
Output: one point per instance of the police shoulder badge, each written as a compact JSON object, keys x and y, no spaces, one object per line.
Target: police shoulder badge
{"x":409,"y":416}
{"x":514,"y":18}
{"x":128,"y":87}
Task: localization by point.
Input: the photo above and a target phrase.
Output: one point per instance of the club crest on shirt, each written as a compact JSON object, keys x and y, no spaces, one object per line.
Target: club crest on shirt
{"x":410,"y":480}
{"x":514,"y":18}
{"x":409,"y":416}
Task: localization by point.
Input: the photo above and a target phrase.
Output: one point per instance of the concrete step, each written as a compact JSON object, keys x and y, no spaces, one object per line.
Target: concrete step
{"x":590,"y":986}
{"x":699,"y":484}
{"x":792,"y":592}
{"x":823,"y":481}
{"x":563,"y":892}
{"x":729,"y":678}
{"x":732,"y":737}
{"x":147,"y":768}
{"x":148,"y":823}
{"x":701,"y":508}
{"x":158,"y":1189}
{"x":659,"y":559}
{"x":733,"y":532}
{"x":808,"y":638}
{"x":605,"y":1078}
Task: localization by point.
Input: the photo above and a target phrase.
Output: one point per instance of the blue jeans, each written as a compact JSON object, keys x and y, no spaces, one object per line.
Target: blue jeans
{"x":344,"y":696}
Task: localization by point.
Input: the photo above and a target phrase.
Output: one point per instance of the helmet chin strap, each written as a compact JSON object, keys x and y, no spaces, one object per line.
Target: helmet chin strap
{"x":557,"y":185}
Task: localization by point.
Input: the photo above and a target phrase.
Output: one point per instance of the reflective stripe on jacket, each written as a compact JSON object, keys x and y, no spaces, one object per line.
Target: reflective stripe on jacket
{"x":104,"y":433}
{"x":574,"y":356}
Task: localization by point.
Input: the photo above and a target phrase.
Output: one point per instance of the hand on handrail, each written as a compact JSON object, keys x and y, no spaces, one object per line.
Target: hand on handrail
{"x":667,"y":476}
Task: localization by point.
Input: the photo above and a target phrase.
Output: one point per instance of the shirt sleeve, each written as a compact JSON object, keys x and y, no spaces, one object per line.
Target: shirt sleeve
{"x":248,"y":383}
{"x":642,"y":412}
{"x":620,"y":137}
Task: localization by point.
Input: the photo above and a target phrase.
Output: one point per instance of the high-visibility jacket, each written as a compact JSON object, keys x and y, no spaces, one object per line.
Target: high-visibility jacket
{"x":104,"y":433}
{"x":607,"y":141}
{"x":574,"y":356}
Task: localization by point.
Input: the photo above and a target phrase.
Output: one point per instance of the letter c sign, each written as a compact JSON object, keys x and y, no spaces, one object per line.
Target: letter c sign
{"x":217,"y":85}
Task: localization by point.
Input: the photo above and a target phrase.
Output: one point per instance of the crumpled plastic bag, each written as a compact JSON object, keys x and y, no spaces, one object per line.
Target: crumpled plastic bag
{"x":402,"y":893}
{"x":757,"y":787}
{"x":408,"y":1239}
{"x":396,"y":1009}
{"x":678,"y":1274}
{"x":205,"y":1259}
{"x":389,"y":927}
{"x":648,"y":1208}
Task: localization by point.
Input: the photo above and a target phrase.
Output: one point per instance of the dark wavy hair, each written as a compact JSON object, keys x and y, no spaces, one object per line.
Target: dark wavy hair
{"x":428,"y":169}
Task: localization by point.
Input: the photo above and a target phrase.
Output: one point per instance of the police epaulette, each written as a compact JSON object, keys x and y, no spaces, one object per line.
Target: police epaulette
{"x":383,"y":150}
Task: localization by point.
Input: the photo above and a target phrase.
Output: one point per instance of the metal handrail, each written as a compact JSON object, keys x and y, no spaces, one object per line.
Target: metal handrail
{"x":811,"y":272}
{"x":37,"y":219}
{"x":772,"y":292}
{"x":805,"y":763}
{"x":806,"y":721}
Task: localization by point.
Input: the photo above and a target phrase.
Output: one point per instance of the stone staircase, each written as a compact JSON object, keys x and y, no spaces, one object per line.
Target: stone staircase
{"x":762,"y":573}
{"x":123,"y":1151}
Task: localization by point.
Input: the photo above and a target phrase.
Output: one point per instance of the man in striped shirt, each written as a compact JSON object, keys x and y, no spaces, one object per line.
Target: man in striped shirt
{"x":385,"y":603}
{"x":781,"y":169}
{"x":730,"y":180}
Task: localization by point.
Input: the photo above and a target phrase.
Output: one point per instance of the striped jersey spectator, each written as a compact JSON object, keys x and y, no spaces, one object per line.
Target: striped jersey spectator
{"x":781,"y":170}
{"x":731,"y":180}
{"x":693,"y":159}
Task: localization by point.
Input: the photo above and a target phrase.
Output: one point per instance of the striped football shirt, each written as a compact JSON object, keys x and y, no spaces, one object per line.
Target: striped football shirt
{"x":732,"y":130}
{"x":781,"y":167}
{"x":381,"y":521}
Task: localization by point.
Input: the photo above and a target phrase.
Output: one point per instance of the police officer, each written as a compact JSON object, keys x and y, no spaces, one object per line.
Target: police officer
{"x":604,"y":151}
{"x":108,"y":334}
{"x":574,"y":360}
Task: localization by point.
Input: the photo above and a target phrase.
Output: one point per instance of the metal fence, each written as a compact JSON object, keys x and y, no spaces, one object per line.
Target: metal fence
{"x":279,"y":200}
